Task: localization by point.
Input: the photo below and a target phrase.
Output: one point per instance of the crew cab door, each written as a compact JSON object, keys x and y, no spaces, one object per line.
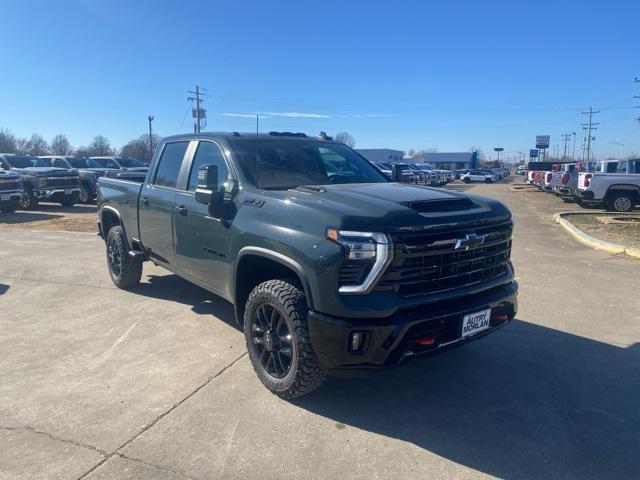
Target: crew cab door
{"x":156,"y":204}
{"x":202,"y":243}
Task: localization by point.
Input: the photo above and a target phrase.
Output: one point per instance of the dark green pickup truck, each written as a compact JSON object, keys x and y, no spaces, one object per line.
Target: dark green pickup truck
{"x":332,"y":268}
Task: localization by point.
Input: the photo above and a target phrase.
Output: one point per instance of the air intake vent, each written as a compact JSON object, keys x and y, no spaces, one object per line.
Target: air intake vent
{"x":441,"y":205}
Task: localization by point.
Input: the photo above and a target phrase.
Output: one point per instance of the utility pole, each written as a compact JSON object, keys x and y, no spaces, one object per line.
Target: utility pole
{"x":590,"y":127}
{"x":199,"y":114}
{"x":150,"y":119}
{"x":573,"y":156}
{"x":565,"y":138}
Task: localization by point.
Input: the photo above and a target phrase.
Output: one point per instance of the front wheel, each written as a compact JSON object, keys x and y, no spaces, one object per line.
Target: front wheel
{"x":85,"y":194}
{"x":124,"y":269}
{"x":277,"y":337}
{"x":620,"y":202}
{"x":28,"y":199}
{"x":488,"y":180}
{"x":69,"y":200}
{"x":467,"y":180}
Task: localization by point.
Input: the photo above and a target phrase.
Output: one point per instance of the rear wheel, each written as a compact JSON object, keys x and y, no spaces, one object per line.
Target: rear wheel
{"x":487,"y":180}
{"x":124,"y":269}
{"x":467,"y":180}
{"x":620,"y":202}
{"x":277,"y":337}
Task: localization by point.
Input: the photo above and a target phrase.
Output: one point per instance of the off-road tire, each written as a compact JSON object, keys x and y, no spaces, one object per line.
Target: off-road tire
{"x":28,"y":200}
{"x":304,"y":374}
{"x":620,"y":202}
{"x":69,"y":202}
{"x":129,"y":268}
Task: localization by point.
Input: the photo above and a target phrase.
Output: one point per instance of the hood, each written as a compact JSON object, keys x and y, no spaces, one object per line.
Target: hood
{"x":136,"y":169}
{"x":395,"y":206}
{"x":8,"y":175}
{"x":98,"y":172}
{"x":46,"y":171}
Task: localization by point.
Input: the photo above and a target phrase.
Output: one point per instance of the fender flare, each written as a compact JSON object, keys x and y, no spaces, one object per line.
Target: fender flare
{"x":278,"y":258}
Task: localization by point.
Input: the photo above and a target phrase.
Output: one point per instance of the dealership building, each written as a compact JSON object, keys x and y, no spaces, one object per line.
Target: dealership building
{"x":381,"y":154}
{"x":448,"y":160}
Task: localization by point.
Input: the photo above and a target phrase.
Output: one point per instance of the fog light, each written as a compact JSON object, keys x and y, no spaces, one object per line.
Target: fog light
{"x":500,"y":317}
{"x":425,"y":341}
{"x":358,"y":342}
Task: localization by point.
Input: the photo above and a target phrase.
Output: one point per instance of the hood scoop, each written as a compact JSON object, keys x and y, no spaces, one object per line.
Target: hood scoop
{"x":310,"y":189}
{"x":440,"y":205}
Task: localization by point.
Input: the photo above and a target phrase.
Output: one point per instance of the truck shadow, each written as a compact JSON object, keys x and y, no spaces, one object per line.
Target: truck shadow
{"x":526,"y":402}
{"x":202,"y":302}
{"x":26,"y":217}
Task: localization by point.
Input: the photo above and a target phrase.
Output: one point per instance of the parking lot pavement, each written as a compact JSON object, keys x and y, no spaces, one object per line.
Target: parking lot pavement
{"x":100,"y":383}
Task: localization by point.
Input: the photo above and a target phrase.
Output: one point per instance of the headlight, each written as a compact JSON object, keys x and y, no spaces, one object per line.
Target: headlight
{"x":364,"y":246}
{"x":42,"y":182}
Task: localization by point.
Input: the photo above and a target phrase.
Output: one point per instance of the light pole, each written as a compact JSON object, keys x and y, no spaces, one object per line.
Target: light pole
{"x":150,"y":119}
{"x":621,"y":145}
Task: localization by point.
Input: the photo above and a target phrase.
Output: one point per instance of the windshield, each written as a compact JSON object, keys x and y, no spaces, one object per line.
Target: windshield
{"x":84,"y":163}
{"x":26,"y":162}
{"x":284,"y":164}
{"x":130,"y":163}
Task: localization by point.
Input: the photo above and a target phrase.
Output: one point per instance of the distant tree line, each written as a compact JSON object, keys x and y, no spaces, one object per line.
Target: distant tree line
{"x":100,"y":146}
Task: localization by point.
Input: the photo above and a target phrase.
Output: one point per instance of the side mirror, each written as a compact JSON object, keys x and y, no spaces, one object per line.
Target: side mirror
{"x":400,"y":173}
{"x":207,"y":191}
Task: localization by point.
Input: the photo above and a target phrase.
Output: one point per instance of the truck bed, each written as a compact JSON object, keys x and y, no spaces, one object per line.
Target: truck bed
{"x":122,"y":195}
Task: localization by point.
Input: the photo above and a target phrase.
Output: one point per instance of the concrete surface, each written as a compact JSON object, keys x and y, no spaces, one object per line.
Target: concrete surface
{"x":100,"y":383}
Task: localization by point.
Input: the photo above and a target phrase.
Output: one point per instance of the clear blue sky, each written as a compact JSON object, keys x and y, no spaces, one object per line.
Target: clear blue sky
{"x":403,"y":74}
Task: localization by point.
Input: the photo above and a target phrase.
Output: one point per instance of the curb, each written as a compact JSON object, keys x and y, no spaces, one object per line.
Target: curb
{"x":593,"y":242}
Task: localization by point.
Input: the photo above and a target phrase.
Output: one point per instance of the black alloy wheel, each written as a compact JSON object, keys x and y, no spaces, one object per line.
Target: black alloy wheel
{"x":272,"y":340}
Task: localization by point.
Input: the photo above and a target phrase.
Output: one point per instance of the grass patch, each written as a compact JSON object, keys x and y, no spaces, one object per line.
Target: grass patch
{"x":627,"y":234}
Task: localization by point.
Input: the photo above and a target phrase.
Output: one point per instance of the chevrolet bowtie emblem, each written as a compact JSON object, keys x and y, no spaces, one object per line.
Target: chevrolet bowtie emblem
{"x":471,"y":240}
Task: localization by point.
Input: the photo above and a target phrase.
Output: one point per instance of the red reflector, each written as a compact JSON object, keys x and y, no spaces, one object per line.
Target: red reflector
{"x":425,"y":341}
{"x":501,"y":317}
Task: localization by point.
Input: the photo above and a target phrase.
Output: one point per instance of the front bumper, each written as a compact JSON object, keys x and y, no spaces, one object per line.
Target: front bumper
{"x":392,"y":339}
{"x":53,"y":192}
{"x":12,"y":195}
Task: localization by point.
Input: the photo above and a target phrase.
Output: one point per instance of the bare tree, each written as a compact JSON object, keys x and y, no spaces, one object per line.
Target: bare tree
{"x":345,"y":138}
{"x":37,"y":145}
{"x":60,"y":145}
{"x":140,"y":148}
{"x":22,"y":146}
{"x":100,"y":146}
{"x":7,"y":141}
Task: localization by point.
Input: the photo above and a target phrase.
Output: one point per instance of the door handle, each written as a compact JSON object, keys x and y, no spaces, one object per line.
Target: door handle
{"x":182,"y":210}
{"x":145,"y":201}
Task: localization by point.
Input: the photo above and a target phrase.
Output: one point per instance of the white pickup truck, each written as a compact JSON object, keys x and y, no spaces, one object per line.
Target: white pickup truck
{"x":619,"y":190}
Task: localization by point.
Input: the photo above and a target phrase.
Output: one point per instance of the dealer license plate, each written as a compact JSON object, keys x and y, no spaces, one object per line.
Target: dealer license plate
{"x":5,"y":198}
{"x":475,"y":322}
{"x":68,"y":192}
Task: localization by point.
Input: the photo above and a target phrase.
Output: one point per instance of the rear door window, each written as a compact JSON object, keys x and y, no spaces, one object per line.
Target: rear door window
{"x":169,"y":164}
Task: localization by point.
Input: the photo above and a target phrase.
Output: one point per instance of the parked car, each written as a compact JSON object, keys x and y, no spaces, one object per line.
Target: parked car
{"x":88,"y":169}
{"x":10,"y":191}
{"x":41,"y":182}
{"x":121,"y":163}
{"x":478,"y":176}
{"x":326,"y":272}
{"x":619,"y":192}
{"x":520,"y":170}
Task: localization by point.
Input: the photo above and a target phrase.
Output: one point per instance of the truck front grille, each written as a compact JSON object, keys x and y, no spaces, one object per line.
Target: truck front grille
{"x":6,"y":185}
{"x":429,"y":262}
{"x":63,"y":182}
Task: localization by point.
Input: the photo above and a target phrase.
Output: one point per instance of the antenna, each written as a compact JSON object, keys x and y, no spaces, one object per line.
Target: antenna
{"x":256,"y":162}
